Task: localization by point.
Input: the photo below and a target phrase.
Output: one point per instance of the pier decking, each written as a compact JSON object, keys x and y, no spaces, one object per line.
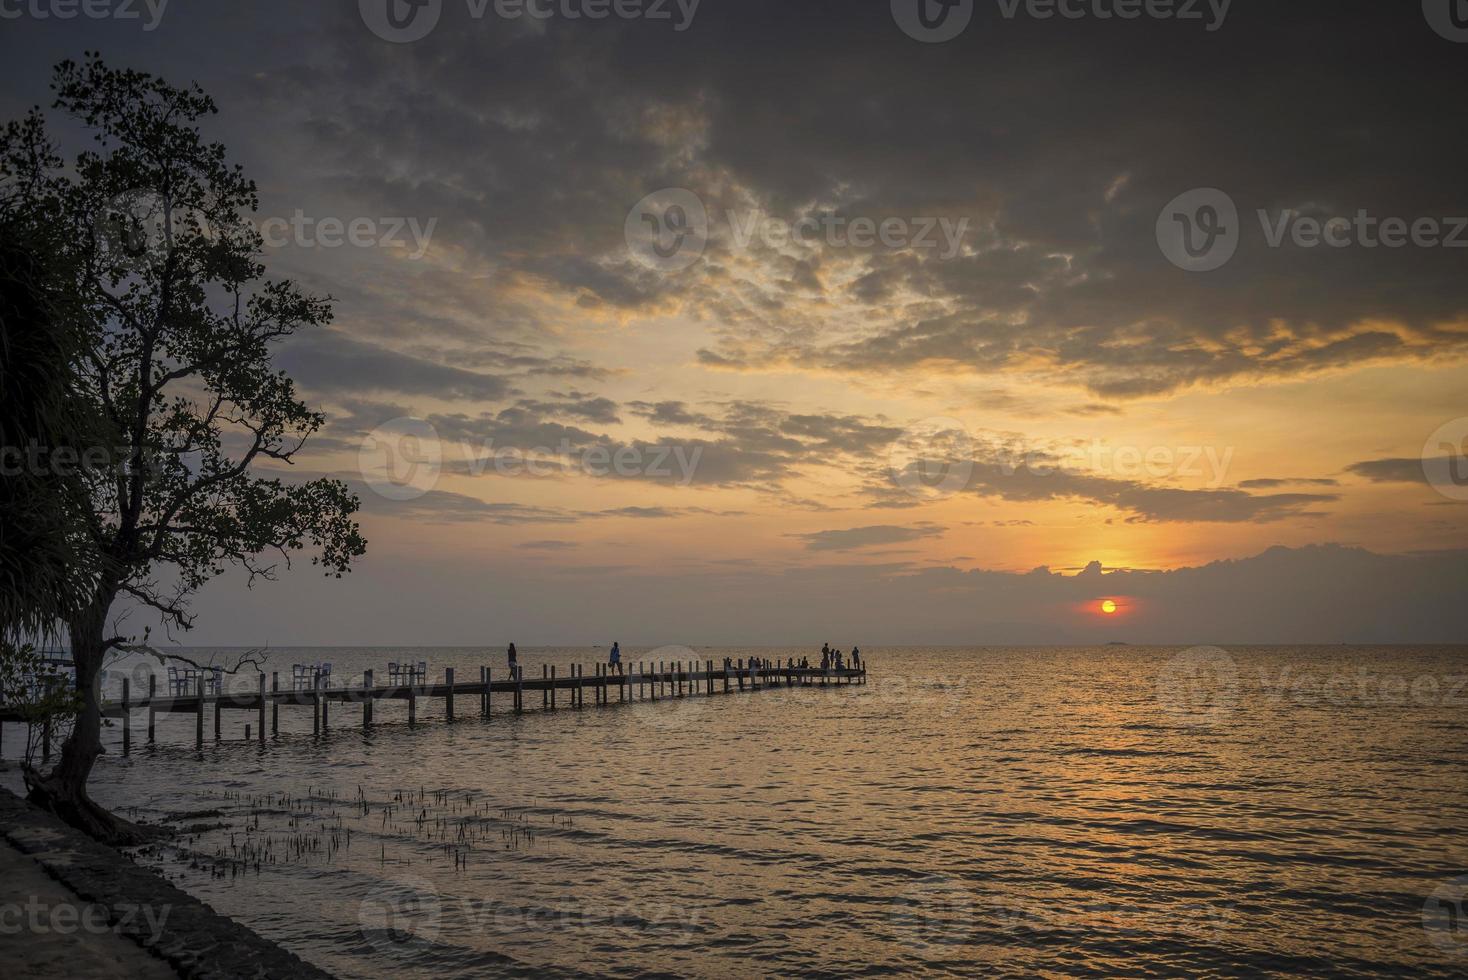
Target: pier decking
{"x":639,"y":682}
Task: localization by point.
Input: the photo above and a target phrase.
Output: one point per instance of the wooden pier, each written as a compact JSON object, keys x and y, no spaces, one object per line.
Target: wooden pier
{"x":640,"y":682}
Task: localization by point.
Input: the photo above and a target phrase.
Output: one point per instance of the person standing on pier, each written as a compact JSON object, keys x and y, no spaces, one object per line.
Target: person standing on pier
{"x":855,"y":658}
{"x":614,"y":659}
{"x":514,"y":663}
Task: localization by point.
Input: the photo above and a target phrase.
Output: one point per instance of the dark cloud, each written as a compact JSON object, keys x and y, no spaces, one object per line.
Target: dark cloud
{"x":865,"y":537}
{"x":1274,"y":483}
{"x":329,"y":361}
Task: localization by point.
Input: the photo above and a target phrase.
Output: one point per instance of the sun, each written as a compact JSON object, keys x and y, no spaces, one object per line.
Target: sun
{"x":1108,"y":606}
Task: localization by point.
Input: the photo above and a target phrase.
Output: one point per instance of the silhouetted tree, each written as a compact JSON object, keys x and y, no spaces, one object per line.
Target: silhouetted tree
{"x":176,"y":321}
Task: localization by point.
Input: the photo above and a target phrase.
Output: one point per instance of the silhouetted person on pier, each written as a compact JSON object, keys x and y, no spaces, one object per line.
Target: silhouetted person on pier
{"x":825,"y":649}
{"x":614,"y":659}
{"x":514,"y":663}
{"x":855,"y":658}
{"x":825,"y":659}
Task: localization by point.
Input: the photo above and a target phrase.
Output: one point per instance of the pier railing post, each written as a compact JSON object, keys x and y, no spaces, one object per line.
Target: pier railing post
{"x":261,"y":726}
{"x":152,"y":696}
{"x":127,"y":724}
{"x":448,"y":701}
{"x":367,"y":698}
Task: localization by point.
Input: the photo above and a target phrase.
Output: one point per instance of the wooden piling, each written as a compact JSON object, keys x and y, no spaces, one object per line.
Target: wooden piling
{"x":127,"y":721}
{"x":412,"y":703}
{"x":152,"y":712}
{"x":519,"y":680}
{"x":367,"y":698}
{"x":553,"y":687}
{"x":261,"y":726}
{"x":448,"y":698}
{"x":484,"y":695}
{"x":199,"y":716}
{"x":275,"y":705}
{"x":544,"y":690}
{"x":316,"y":703}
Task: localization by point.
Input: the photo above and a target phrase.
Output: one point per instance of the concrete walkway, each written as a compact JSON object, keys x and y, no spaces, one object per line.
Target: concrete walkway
{"x":47,"y":931}
{"x":103,"y":906}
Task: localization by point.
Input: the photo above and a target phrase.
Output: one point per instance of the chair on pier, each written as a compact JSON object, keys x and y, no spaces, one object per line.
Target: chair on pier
{"x":420,"y":676}
{"x":394,"y":673}
{"x":324,"y":670}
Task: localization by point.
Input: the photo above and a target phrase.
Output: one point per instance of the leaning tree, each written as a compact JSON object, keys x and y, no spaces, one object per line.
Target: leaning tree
{"x":177,"y":321}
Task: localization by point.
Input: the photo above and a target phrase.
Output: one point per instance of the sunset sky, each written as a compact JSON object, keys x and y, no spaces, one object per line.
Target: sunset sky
{"x":1089,"y":401}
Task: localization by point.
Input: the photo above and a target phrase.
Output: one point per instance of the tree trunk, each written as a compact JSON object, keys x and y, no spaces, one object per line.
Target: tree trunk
{"x":63,"y":791}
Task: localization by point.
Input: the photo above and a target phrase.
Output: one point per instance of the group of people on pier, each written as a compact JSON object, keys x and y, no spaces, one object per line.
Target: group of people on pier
{"x":830,"y":659}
